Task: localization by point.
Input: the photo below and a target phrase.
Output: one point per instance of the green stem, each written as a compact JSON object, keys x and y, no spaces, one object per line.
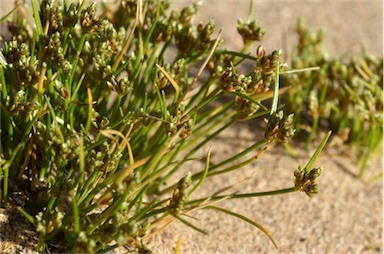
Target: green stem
{"x":231,"y":168}
{"x":6,"y":172}
{"x":241,"y":154}
{"x":29,"y":217}
{"x":310,"y":163}
{"x":225,"y":197}
{"x":76,"y":218}
{"x":242,"y":217}
{"x":276,"y":90}
{"x":312,"y":132}
{"x":245,"y":195}
{"x":36,"y":17}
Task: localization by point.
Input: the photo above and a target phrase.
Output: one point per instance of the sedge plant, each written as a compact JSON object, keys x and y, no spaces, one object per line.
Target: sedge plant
{"x":100,"y":111}
{"x":345,"y":96}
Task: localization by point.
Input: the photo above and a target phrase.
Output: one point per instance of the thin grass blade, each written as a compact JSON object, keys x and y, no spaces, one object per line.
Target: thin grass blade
{"x":242,"y":217}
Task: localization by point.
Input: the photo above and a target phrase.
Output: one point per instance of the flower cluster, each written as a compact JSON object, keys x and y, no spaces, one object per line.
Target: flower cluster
{"x":175,"y":71}
{"x":89,"y":20}
{"x":257,"y":82}
{"x":58,"y":18}
{"x":179,"y":123}
{"x":53,"y":52}
{"x":180,"y":195}
{"x":250,"y":31}
{"x":280,"y":127}
{"x":52,"y":15}
{"x":99,"y":159}
{"x":306,"y":181}
{"x":25,"y":68}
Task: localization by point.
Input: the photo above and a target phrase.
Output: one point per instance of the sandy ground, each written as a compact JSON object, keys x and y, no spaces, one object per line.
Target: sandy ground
{"x":346,"y":216}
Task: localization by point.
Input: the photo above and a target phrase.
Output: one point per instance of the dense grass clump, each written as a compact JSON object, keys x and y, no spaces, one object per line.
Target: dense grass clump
{"x":98,"y":113}
{"x":344,"y":96}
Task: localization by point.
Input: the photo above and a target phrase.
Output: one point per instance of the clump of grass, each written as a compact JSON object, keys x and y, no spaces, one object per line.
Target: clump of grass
{"x":99,"y":112}
{"x":346,"y":97}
